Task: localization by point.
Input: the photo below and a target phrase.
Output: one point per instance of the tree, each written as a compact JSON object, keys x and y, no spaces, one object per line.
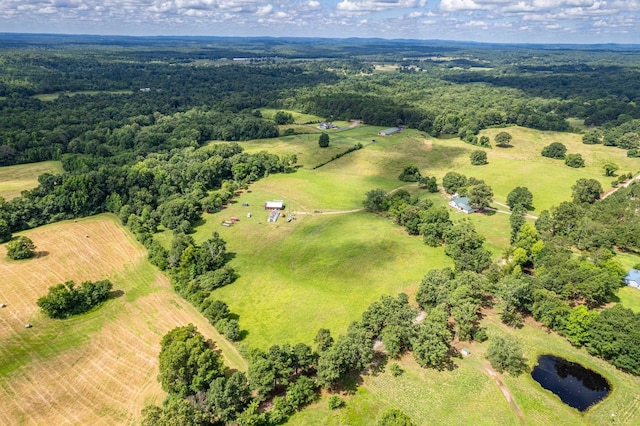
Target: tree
{"x":610,"y":169}
{"x":520,"y":196}
{"x":323,"y":140}
{"x":187,"y":364}
{"x":394,"y":417}
{"x":282,"y":117}
{"x":480,"y":196}
{"x":505,"y":354}
{"x":464,"y":246}
{"x":21,"y":248}
{"x":554,"y":150}
{"x":376,"y":201}
{"x":478,"y":158}
{"x":410,"y":174}
{"x":229,"y":397}
{"x":452,"y":181}
{"x":323,"y":339}
{"x":5,"y":231}
{"x":574,"y":160}
{"x":503,"y":139}
{"x":586,"y":191}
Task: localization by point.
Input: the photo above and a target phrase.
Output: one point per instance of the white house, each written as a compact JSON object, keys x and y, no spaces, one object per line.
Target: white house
{"x":633,"y":279}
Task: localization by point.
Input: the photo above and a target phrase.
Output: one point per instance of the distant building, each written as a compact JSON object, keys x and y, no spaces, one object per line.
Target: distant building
{"x":274,"y":205}
{"x":461,"y":204}
{"x":388,"y":132}
{"x":633,"y":279}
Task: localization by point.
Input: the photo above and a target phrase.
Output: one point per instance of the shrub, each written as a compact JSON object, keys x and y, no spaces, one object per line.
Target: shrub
{"x":505,"y":354}
{"x":335,"y":402}
{"x":396,"y":370}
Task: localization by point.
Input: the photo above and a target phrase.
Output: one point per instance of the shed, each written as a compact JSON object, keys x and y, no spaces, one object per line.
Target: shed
{"x":633,"y":279}
{"x":461,"y":204}
{"x":465,"y":352}
{"x":388,"y":132}
{"x":274,"y":205}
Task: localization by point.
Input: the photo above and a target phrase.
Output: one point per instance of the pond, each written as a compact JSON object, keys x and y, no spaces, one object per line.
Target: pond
{"x":576,"y":385}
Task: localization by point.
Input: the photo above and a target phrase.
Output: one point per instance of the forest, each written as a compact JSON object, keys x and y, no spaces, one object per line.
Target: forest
{"x":131,"y":121}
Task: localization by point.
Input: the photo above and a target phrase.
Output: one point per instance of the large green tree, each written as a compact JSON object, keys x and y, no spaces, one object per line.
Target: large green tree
{"x":480,"y":196}
{"x":521,"y":196}
{"x":503,"y":139}
{"x":323,"y":140}
{"x":586,"y":191}
{"x":505,"y":354}
{"x":554,"y":150}
{"x":187,"y":363}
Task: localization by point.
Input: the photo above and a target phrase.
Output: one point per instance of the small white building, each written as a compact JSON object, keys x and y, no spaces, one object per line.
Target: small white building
{"x":274,"y":205}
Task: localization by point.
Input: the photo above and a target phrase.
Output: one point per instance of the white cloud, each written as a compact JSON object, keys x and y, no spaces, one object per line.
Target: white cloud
{"x":360,"y":6}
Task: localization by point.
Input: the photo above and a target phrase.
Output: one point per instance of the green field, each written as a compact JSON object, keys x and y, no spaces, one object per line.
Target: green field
{"x":48,"y":97}
{"x":318,"y":271}
{"x":15,"y":179}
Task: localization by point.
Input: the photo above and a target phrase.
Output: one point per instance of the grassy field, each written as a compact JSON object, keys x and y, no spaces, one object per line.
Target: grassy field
{"x":99,"y":368}
{"x":548,"y":179}
{"x":15,"y":179}
{"x":48,"y":97}
{"x":320,"y":270}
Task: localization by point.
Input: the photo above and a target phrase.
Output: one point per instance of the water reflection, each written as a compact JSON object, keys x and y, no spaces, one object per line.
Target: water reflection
{"x":576,"y":386}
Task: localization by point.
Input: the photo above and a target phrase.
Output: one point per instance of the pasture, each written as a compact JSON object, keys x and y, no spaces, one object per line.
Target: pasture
{"x":319,"y":271}
{"x":15,"y":179}
{"x":98,"y":368}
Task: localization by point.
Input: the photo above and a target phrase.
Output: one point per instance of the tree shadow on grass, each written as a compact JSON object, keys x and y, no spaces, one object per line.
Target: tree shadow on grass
{"x":41,"y":253}
{"x":116,"y":294}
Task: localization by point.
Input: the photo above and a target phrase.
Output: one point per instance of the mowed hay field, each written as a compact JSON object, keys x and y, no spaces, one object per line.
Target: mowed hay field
{"x":98,"y":368}
{"x":15,"y":179}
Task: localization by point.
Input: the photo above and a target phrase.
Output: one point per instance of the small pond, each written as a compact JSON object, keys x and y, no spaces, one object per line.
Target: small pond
{"x":576,"y":386}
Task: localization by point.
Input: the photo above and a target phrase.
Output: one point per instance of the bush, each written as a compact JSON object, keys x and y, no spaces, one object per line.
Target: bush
{"x":396,"y":370}
{"x":21,"y":248}
{"x":335,"y":402}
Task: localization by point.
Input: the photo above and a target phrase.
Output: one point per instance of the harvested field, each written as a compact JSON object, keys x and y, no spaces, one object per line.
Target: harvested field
{"x":15,"y":179}
{"x":99,"y":368}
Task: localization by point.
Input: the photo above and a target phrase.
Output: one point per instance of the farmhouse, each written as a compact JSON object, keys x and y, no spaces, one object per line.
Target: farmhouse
{"x":388,"y":132}
{"x":461,"y":204}
{"x":633,"y":279}
{"x":274,"y":205}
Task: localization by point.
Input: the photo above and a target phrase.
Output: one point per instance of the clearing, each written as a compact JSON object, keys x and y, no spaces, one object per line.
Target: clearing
{"x":15,"y":179}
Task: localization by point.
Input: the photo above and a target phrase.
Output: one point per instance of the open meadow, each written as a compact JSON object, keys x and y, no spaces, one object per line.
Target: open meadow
{"x":15,"y":179}
{"x":99,"y":368}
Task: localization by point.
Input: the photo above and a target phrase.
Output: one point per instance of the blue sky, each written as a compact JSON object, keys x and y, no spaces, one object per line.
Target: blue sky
{"x":534,"y":21}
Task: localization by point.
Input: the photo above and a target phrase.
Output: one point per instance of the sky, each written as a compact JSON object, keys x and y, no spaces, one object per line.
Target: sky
{"x":509,"y":21}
